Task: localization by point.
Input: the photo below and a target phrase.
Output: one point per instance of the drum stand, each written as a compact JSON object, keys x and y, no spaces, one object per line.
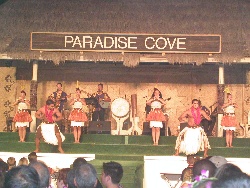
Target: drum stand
{"x":119,"y":122}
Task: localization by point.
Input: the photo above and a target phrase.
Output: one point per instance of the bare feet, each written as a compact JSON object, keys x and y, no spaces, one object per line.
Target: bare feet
{"x":37,"y":150}
{"x":60,"y":150}
{"x":205,"y":156}
{"x":176,"y":154}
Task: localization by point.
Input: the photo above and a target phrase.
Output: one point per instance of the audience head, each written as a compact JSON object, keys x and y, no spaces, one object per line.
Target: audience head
{"x":22,"y":177}
{"x":79,"y":161}
{"x":240,"y":180}
{"x":43,"y":172}
{"x":227,"y":171}
{"x":203,"y":169}
{"x":11,"y":162}
{"x":112,"y":173}
{"x":63,"y":175}
{"x":32,"y":157}
{"x":217,"y":160}
{"x":70,"y":178}
{"x":23,"y":161}
{"x":85,"y":176}
{"x":4,"y":166}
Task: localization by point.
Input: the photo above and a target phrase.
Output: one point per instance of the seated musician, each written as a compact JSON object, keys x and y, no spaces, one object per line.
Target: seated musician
{"x":99,"y":111}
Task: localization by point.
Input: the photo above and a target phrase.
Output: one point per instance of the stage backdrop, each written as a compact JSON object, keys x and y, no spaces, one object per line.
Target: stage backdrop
{"x":7,"y":94}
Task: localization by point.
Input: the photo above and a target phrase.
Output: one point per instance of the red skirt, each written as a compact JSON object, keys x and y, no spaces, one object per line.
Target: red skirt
{"x":229,"y":121}
{"x":156,"y":115}
{"x":22,"y":116}
{"x":78,"y":115}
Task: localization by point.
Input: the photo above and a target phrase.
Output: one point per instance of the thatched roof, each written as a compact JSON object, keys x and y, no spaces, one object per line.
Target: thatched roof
{"x":229,"y":18}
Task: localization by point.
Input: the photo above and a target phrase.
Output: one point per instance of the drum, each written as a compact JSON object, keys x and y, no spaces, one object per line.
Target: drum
{"x":120,"y":107}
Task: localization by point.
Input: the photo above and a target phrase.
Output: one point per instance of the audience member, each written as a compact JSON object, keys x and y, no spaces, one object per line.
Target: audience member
{"x":187,"y":173}
{"x":11,"y":161}
{"x":85,"y":176}
{"x":203,"y":169}
{"x":112,"y":175}
{"x":23,"y":161}
{"x":70,"y":178}
{"x":240,"y":180}
{"x":79,"y":161}
{"x":217,"y":160}
{"x":4,"y":167}
{"x":43,"y":172}
{"x":2,"y":176}
{"x":32,"y":157}
{"x":62,"y":178}
{"x":227,"y":171}
{"x":22,"y":177}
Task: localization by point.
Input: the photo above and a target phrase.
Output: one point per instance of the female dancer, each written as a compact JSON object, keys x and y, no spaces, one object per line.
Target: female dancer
{"x":77,"y":115}
{"x":229,"y":121}
{"x":156,"y":116}
{"x":22,"y":116}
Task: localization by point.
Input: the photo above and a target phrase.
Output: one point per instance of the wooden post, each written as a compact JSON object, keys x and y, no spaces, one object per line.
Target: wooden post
{"x":33,"y":96}
{"x":220,"y":98}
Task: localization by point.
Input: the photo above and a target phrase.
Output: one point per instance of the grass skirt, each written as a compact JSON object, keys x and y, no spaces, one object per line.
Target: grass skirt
{"x":78,"y":115}
{"x":192,"y":140}
{"x":156,"y":115}
{"x":22,"y":116}
{"x":229,"y":121}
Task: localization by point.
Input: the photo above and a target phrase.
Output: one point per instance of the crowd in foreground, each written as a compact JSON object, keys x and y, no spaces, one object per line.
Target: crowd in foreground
{"x":210,"y":172}
{"x":213,"y":172}
{"x":32,"y":173}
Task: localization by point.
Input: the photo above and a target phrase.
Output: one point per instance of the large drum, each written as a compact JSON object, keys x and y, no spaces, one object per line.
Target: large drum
{"x":120,"y":107}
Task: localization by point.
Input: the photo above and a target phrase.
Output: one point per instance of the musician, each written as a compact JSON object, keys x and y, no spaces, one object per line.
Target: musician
{"x":204,"y":122}
{"x":99,"y":111}
{"x":229,"y":121}
{"x":48,"y":129}
{"x":195,"y":139}
{"x":156,"y":116}
{"x":77,"y":115}
{"x":22,"y":116}
{"x":60,"y":97}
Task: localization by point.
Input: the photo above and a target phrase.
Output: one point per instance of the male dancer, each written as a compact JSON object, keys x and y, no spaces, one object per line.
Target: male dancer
{"x":195,"y":138}
{"x":48,"y":130}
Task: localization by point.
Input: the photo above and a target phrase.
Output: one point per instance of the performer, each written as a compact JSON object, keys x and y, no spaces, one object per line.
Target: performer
{"x":204,"y":122}
{"x":195,"y":139}
{"x":48,"y":130}
{"x":229,"y":121}
{"x":22,"y":116}
{"x":156,"y":116}
{"x":99,"y":111}
{"x":77,"y":115}
{"x":60,"y":97}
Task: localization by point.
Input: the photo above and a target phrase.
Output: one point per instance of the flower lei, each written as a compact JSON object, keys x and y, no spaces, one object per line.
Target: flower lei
{"x":48,"y":114}
{"x":197,"y":116}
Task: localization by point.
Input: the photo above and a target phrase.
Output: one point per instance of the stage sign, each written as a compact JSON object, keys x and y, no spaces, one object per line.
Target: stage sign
{"x":118,"y":42}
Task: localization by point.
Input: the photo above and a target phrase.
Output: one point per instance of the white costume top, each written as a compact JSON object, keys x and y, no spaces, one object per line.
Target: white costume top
{"x":230,"y":109}
{"x":77,"y":104}
{"x":155,"y":104}
{"x":22,"y":106}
